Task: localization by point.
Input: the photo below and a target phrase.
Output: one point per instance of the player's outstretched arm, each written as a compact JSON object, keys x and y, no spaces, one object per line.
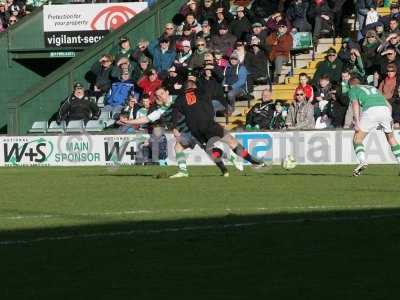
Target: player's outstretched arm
{"x":139,"y":121}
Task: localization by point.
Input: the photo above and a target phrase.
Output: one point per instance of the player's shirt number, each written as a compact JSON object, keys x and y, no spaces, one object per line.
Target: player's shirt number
{"x":191,"y":98}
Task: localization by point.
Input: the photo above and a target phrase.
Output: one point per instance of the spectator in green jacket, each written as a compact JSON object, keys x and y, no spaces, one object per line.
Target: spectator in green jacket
{"x":355,"y":64}
{"x":123,"y":50}
{"x":332,"y":65}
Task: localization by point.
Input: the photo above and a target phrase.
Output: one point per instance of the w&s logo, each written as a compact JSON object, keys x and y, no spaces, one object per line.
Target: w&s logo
{"x":36,"y":151}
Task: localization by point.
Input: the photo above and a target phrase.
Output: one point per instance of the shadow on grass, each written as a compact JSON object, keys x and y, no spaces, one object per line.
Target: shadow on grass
{"x":329,"y":255}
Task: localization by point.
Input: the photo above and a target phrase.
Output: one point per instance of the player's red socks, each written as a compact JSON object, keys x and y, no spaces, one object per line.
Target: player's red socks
{"x":243,"y":153}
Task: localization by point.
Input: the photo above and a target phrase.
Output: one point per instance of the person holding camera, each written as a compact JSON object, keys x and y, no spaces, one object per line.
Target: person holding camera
{"x":235,"y":82}
{"x":323,"y":103}
{"x":355,"y":64}
{"x":256,"y":63}
{"x":99,"y":75}
{"x":241,"y":25}
{"x":209,"y":84}
{"x":177,"y":75}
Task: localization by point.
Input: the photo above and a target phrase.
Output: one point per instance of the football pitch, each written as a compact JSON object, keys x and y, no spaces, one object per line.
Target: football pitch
{"x":120,"y":233}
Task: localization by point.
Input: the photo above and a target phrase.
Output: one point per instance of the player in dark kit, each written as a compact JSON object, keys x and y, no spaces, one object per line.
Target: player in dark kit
{"x":167,"y":116}
{"x":199,"y":116}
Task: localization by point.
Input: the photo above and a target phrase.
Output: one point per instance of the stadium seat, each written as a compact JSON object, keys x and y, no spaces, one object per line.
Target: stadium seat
{"x":104,"y":115}
{"x":56,"y":128}
{"x":100,"y":102}
{"x":95,"y":126}
{"x":75,"y":126}
{"x":38,"y":127}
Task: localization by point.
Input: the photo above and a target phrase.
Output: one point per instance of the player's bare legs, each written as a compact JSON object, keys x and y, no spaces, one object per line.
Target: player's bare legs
{"x":359,"y":149}
{"x":239,"y":150}
{"x":181,"y":160}
{"x":394,"y":145}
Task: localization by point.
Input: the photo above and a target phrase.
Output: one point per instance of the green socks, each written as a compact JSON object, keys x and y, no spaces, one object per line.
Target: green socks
{"x":181,"y":160}
{"x":396,"y":151}
{"x":359,"y":149}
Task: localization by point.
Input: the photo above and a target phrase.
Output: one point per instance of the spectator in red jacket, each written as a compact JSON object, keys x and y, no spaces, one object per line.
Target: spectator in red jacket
{"x":149,"y":83}
{"x":281,"y":42}
{"x":306,"y":86}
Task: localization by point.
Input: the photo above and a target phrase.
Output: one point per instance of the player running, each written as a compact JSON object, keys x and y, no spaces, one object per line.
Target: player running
{"x":370,"y":110}
{"x":184,"y":139}
{"x":199,"y":116}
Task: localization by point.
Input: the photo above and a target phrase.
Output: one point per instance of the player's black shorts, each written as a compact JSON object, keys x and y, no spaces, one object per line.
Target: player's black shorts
{"x":212,"y":132}
{"x":187,"y":140}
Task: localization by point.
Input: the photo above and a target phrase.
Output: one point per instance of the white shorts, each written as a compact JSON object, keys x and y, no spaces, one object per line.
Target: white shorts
{"x":376,"y":117}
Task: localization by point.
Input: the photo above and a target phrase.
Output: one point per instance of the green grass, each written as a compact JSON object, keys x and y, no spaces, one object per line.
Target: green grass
{"x":101,"y":233}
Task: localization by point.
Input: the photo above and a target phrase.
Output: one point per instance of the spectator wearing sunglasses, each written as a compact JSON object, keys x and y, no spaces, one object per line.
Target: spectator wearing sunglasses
{"x":170,"y":34}
{"x":390,"y":56}
{"x":300,"y":113}
{"x":197,"y":59}
{"x":12,"y":20}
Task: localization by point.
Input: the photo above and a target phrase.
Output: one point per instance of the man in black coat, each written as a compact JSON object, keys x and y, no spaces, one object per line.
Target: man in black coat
{"x":256,"y":63}
{"x":209,"y":83}
{"x":261,"y":114}
{"x":240,"y":26}
{"x":78,"y":107}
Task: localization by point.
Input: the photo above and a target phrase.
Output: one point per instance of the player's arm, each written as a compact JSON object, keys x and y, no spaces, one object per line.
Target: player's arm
{"x":138,"y":121}
{"x":355,"y":106}
{"x":356,"y":113}
{"x":176,"y":115}
{"x":150,"y":118}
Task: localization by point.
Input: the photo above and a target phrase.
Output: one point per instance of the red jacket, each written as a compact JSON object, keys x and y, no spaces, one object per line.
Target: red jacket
{"x":149,"y":87}
{"x":283,"y":45}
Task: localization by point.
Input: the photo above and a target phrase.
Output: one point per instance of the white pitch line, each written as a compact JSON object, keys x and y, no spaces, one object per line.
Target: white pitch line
{"x":193,"y":228}
{"x":197,"y":210}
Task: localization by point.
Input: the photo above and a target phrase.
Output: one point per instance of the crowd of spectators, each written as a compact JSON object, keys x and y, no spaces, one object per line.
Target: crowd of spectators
{"x":11,"y":11}
{"x":231,"y":50}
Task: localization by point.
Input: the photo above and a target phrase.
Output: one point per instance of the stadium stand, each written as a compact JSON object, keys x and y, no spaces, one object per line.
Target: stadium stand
{"x":304,"y":52}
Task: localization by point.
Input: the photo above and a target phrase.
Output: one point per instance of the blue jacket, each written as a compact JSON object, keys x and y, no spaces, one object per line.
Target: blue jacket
{"x":119,"y":92}
{"x":236,"y":76}
{"x":161,"y":61}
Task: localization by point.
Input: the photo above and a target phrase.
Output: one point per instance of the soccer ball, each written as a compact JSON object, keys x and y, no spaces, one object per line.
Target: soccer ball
{"x":289,"y":163}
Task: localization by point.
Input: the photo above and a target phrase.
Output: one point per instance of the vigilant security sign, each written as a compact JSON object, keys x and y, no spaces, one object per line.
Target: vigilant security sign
{"x":73,"y":25}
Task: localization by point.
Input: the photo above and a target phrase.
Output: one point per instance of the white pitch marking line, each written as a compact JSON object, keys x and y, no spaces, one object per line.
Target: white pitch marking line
{"x":192,"y":228}
{"x":194,"y":210}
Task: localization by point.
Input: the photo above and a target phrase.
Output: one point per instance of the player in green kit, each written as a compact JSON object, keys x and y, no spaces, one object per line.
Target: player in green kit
{"x":370,"y":110}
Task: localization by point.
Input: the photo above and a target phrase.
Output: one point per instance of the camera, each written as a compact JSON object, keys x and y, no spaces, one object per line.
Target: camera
{"x":227,"y":88}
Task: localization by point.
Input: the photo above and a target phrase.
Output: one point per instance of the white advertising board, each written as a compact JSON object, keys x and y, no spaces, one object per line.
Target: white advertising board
{"x":77,"y":25}
{"x":308,"y":147}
